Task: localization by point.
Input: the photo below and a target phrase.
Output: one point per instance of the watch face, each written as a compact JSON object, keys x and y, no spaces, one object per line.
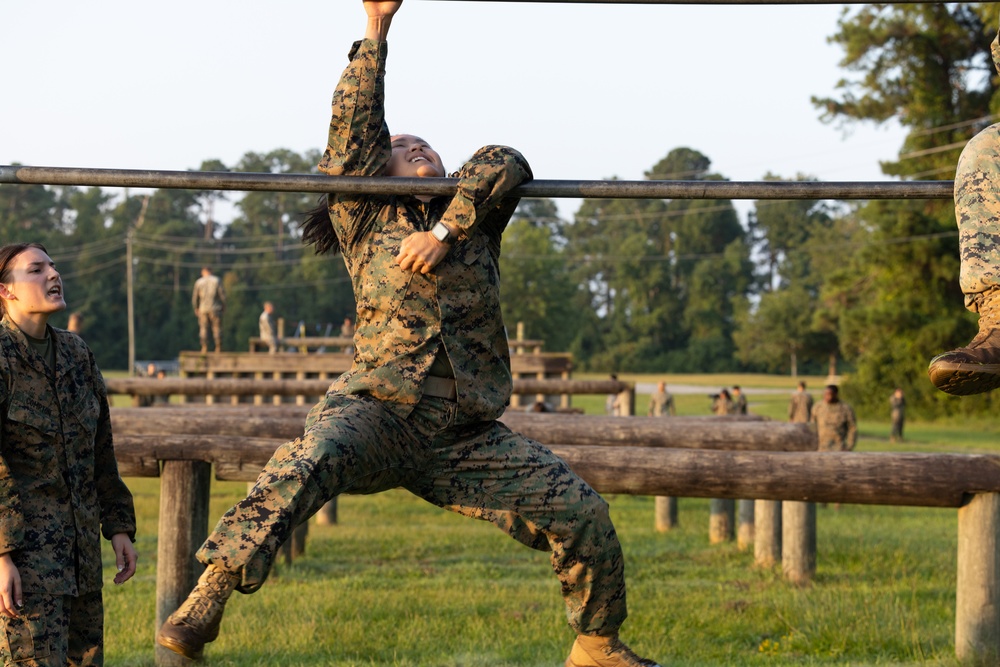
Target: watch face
{"x":441,"y":233}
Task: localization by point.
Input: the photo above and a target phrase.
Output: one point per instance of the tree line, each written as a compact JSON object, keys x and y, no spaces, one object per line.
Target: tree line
{"x":870,"y":289}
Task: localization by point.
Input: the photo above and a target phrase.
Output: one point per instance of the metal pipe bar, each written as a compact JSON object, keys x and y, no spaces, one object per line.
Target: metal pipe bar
{"x":375,"y":185}
{"x":710,"y":2}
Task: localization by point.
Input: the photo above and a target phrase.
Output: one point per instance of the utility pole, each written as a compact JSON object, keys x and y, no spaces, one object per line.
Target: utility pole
{"x":130,"y":301}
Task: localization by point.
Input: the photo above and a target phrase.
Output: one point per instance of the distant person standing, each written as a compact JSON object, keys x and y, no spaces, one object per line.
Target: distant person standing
{"x":661,"y":402}
{"x":897,"y":403}
{"x":268,"y":327}
{"x":801,"y":405}
{"x":611,"y":400}
{"x":836,"y":427}
{"x":209,"y":302}
{"x":347,"y":331}
{"x":146,"y":400}
{"x":739,"y":401}
{"x":722,"y":404}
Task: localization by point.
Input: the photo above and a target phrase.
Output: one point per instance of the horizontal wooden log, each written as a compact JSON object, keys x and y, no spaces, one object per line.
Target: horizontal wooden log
{"x":882,"y":478}
{"x":335,"y":363}
{"x":734,"y":433}
{"x":270,"y":387}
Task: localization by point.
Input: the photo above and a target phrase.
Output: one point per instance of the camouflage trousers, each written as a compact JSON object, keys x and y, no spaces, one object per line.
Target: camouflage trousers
{"x":210,"y":320}
{"x":355,"y":445}
{"x":977,"y":211}
{"x":55,"y":631}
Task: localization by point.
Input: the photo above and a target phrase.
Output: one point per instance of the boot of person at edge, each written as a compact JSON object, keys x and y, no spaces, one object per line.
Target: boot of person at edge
{"x":591,"y":651}
{"x":969,"y":370}
{"x":196,"y":622}
{"x":976,"y":368}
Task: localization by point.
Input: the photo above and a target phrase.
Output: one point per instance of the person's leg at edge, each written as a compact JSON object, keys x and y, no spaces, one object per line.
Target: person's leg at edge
{"x":352,"y":444}
{"x":86,"y":630}
{"x":203,"y":331}
{"x":976,"y":368}
{"x":488,"y":472}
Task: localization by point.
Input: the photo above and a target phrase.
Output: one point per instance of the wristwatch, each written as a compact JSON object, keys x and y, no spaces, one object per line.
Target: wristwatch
{"x":441,"y":232}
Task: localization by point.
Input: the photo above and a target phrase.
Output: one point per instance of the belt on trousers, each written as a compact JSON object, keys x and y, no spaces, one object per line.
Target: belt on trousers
{"x":440,"y":387}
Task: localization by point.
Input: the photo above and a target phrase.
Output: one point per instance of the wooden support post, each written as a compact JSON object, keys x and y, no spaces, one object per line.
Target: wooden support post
{"x":798,"y":541}
{"x":977,"y":603}
{"x":183,"y":526}
{"x":745,"y":529}
{"x":722,"y":521}
{"x":298,"y":540}
{"x":665,"y":513}
{"x":767,"y":533}
{"x":327,"y":515}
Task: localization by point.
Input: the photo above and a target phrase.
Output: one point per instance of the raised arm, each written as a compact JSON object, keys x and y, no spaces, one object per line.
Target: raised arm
{"x":380,"y":15}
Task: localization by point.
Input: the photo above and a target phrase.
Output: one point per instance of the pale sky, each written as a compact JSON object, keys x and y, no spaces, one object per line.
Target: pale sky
{"x":584,"y":91}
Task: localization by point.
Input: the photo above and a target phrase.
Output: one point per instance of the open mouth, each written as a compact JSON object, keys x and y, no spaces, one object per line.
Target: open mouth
{"x":419,"y":158}
{"x":55,"y":290}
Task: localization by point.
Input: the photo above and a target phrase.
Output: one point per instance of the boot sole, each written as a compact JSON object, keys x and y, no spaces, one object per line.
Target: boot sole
{"x":179,"y":647}
{"x":960,"y":379}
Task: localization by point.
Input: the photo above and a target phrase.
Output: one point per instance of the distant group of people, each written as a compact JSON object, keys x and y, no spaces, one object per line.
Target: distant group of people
{"x":729,"y":403}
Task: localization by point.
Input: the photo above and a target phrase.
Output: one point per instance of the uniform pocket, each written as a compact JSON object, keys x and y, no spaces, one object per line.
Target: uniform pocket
{"x":24,"y":638}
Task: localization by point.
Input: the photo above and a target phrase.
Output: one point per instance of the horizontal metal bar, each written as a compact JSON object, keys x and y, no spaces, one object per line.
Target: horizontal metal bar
{"x":710,"y":2}
{"x":374,"y":185}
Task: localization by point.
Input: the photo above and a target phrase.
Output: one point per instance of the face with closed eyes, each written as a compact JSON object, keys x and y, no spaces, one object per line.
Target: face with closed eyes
{"x":412,"y":156}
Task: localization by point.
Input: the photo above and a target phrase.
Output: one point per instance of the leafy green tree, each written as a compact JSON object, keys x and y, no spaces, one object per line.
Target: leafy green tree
{"x":663,"y":277}
{"x":535,"y":288}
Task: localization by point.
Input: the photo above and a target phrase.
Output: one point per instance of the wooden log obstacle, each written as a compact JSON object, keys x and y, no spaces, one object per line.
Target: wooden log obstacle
{"x":327,"y":366}
{"x":618,"y":464}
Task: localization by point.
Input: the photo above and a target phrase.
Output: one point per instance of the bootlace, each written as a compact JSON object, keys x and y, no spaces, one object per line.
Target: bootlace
{"x":213,"y":588}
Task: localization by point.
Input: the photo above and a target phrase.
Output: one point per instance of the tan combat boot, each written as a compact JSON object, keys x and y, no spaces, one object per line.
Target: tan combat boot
{"x":976,"y":368}
{"x":590,"y":651}
{"x":196,"y":622}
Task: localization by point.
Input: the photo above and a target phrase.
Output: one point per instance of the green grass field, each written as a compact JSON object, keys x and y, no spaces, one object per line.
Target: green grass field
{"x":399,"y":582}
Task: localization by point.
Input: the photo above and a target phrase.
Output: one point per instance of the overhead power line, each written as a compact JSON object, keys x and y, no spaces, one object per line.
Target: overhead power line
{"x":576,"y":189}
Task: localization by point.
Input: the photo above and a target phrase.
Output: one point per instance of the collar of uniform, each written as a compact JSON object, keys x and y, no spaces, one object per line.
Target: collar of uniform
{"x":27,"y":352}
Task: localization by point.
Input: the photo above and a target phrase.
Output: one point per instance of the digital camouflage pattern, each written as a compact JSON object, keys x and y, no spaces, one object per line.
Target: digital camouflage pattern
{"x":800,"y":407}
{"x":375,"y":429}
{"x":357,"y":444}
{"x":661,"y":404}
{"x":55,"y":631}
{"x":836,"y":428}
{"x":977,"y":211}
{"x":409,"y":317}
{"x":59,"y":482}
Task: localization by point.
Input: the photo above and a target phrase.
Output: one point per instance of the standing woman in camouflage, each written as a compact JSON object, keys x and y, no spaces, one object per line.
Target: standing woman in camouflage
{"x":59,"y":482}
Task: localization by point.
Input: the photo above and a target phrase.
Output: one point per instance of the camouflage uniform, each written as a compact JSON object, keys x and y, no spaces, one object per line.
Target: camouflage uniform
{"x":59,"y":491}
{"x":661,"y":404}
{"x":740,"y":404}
{"x":376,"y":430}
{"x":836,"y":427}
{"x":209,"y":300}
{"x":722,"y":406}
{"x":268,"y":331}
{"x":800,"y":407}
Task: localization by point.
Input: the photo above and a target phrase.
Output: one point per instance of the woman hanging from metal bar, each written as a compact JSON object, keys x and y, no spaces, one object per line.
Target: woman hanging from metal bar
{"x":431,"y":375}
